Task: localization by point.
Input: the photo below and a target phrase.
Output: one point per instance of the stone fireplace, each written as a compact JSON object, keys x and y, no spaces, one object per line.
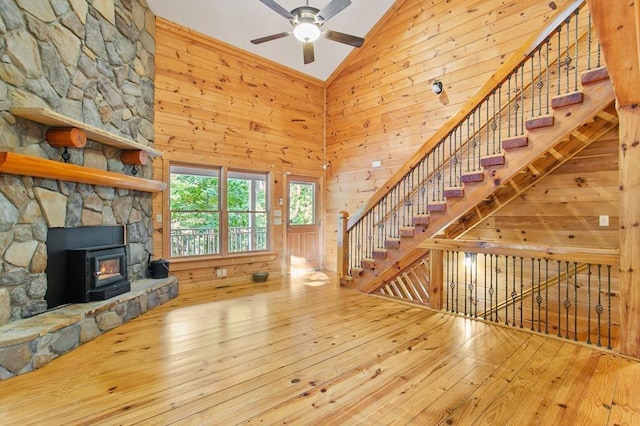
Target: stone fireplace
{"x":92,"y":61}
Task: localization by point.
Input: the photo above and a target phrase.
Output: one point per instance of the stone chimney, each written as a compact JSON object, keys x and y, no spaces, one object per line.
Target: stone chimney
{"x":93,"y":61}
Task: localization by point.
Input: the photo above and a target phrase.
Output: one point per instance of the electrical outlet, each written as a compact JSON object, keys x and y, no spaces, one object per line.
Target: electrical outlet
{"x":604,"y":220}
{"x":220,"y":272}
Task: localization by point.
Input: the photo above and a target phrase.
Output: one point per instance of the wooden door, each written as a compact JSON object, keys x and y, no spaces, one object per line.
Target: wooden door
{"x":303,"y":228}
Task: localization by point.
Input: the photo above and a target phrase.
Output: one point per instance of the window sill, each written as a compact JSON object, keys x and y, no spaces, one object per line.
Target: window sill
{"x":231,"y":258}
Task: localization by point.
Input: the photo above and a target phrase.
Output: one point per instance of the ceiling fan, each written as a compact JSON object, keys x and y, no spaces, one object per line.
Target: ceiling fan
{"x":307,"y":21}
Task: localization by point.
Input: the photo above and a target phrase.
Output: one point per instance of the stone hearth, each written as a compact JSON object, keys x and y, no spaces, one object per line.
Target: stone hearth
{"x":31,"y":343}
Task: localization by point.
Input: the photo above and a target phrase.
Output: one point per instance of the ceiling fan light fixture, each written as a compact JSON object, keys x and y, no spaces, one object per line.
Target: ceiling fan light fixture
{"x":306,"y":32}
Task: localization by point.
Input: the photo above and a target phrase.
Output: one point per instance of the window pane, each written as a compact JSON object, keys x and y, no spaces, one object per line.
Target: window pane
{"x":247,"y":232}
{"x":192,"y":191}
{"x":195,"y":233}
{"x":302,"y":203}
{"x":246,"y":191}
{"x":195,"y":216}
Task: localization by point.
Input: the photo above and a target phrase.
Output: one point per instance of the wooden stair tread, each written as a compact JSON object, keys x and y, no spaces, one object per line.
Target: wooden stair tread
{"x":567,"y":99}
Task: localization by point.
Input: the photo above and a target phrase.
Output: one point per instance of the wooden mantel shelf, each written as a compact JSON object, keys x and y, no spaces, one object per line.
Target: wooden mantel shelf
{"x":51,"y":118}
{"x":26,"y":165}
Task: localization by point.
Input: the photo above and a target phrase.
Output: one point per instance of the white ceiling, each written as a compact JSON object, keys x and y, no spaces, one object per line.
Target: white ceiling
{"x":236,"y":22}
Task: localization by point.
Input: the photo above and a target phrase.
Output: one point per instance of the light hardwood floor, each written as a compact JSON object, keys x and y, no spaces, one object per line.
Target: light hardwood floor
{"x":303,"y":351}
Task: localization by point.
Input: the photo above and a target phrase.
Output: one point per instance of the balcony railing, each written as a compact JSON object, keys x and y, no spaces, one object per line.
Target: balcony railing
{"x":568,"y":292}
{"x":203,"y":241}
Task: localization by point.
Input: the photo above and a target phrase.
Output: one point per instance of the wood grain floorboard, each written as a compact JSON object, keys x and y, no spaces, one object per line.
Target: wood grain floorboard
{"x":304,"y":351}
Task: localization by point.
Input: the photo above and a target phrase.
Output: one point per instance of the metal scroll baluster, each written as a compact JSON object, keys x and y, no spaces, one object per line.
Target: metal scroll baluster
{"x":522,"y":291}
{"x":589,"y":304}
{"x":498,"y":112}
{"x":559,"y":53}
{"x":567,"y":60}
{"x":506,"y":290}
{"x":452,"y":161}
{"x":567,"y":301}
{"x":514,"y":294}
{"x":546,"y":290}
{"x":522,"y":100}
{"x":508,"y":106}
{"x":475,"y":285}
{"x":558,"y":270}
{"x":474,"y":140}
{"x":599,"y":307}
{"x":577,"y":51}
{"x":457,"y":275}
{"x":466,"y":282}
{"x":448,"y":279}
{"x":539,"y":297}
{"x":494,"y":123}
{"x":491,"y":291}
{"x":609,"y":306}
{"x":547,"y":92}
{"x":589,"y":41}
{"x":484,"y":312}
{"x":575,"y":300}
{"x":533,"y":80}
{"x":533,"y":280}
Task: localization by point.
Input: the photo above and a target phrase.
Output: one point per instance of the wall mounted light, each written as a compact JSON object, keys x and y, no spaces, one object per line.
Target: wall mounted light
{"x":436,"y":87}
{"x":470,"y":259}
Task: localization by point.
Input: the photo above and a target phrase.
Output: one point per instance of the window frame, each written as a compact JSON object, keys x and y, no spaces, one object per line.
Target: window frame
{"x":224,"y":173}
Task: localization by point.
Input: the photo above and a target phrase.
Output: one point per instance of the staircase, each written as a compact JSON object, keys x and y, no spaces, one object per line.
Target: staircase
{"x":495,"y":150}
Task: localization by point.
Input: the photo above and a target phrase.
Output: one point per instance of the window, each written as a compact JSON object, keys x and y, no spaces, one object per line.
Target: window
{"x":302,"y":209}
{"x":217,"y":211}
{"x":246,"y":211}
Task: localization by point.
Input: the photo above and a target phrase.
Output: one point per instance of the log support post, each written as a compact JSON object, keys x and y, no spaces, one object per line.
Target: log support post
{"x":436,"y":279}
{"x":343,"y":245}
{"x":630,"y":230}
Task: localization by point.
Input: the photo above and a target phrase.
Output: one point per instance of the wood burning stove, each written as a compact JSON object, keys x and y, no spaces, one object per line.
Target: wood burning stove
{"x":97,"y":273}
{"x":86,"y":263}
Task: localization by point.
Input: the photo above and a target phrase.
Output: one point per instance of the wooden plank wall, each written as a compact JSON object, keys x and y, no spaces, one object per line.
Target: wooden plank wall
{"x":217,"y":105}
{"x":564,"y":208}
{"x":380,"y":105}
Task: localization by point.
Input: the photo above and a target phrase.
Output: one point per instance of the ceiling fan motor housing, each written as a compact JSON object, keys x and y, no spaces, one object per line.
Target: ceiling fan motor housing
{"x":306,"y":15}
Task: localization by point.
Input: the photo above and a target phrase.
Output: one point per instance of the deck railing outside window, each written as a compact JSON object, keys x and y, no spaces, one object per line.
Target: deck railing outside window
{"x":203,"y":241}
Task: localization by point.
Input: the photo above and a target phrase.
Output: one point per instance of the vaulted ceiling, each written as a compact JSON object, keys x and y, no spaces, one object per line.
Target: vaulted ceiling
{"x":239,"y":21}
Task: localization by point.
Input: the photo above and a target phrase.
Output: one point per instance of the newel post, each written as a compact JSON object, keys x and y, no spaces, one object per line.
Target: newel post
{"x":436,"y":279}
{"x":343,"y":245}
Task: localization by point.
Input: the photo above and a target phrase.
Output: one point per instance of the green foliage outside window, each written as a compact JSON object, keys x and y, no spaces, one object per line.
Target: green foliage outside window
{"x":301,"y":203}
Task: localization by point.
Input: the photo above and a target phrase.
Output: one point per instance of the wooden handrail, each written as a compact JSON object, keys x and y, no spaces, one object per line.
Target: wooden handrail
{"x":469,"y":106}
{"x":25,"y":165}
{"x":593,"y":255}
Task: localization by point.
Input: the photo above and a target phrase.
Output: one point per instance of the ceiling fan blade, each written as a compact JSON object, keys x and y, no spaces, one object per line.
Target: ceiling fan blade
{"x":307,"y":51}
{"x":332,"y":9}
{"x":344,"y":38}
{"x":277,"y":8}
{"x":269,"y":38}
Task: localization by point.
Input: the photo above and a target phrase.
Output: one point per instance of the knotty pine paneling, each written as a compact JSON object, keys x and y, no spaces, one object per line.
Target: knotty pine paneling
{"x":380,"y":105}
{"x":564,"y":208}
{"x":216,"y":105}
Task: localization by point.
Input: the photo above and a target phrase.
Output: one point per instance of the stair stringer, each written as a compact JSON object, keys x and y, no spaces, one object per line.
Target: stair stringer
{"x":597,"y":97}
